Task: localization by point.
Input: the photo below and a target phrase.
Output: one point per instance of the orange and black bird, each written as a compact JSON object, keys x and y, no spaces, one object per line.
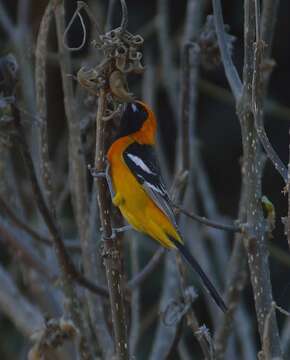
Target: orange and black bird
{"x":138,"y":188}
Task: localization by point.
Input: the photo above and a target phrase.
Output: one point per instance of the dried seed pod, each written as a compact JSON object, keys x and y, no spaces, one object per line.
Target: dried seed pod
{"x":208,"y":44}
{"x":118,"y":86}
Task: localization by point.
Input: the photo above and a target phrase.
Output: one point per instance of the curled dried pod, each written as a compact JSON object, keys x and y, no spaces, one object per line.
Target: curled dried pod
{"x":90,"y":79}
{"x":137,"y":40}
{"x":138,"y":68}
{"x":121,"y":63}
{"x":121,"y":51}
{"x":134,"y":54}
{"x":112,"y":34}
{"x":118,"y":86}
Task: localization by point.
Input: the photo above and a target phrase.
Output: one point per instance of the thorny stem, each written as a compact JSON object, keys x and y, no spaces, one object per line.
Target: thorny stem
{"x":111,"y":252}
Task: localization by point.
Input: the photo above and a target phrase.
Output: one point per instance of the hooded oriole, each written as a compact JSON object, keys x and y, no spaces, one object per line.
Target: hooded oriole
{"x":138,"y":187}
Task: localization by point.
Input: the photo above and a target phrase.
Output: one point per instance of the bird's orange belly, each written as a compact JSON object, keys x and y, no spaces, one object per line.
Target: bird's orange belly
{"x":138,"y":209}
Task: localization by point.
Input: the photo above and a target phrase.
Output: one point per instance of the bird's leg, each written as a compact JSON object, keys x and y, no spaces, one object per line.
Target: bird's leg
{"x":105,"y":174}
{"x":116,"y":198}
{"x":123,"y":228}
{"x":118,"y":230}
{"x":109,"y":181}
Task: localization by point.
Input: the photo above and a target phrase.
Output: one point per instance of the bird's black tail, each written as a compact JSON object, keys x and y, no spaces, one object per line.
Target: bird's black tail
{"x":206,"y":282}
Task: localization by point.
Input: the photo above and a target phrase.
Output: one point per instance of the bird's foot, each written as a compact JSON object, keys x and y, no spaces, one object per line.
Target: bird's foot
{"x":116,"y":231}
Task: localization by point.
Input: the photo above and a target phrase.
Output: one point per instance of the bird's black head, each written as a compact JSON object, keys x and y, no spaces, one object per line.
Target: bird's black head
{"x":132,"y":120}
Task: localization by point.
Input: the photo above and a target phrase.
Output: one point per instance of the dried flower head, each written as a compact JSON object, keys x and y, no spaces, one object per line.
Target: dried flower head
{"x":208,"y":44}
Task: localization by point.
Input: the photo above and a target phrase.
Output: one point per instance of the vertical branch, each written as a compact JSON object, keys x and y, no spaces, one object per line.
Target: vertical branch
{"x":135,"y":302}
{"x":165,"y":335}
{"x":252,"y":164}
{"x":41,"y":103}
{"x":268,"y":23}
{"x":252,"y":169}
{"x":234,"y":286}
{"x":260,"y":81}
{"x":111,"y":252}
{"x":79,"y":190}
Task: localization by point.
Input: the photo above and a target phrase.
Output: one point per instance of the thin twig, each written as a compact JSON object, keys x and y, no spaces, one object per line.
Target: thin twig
{"x":148,"y":269}
{"x":26,"y":317}
{"x":65,"y":262}
{"x":257,"y":87}
{"x":230,"y":69}
{"x":22,"y":225}
{"x":268,"y":23}
{"x":205,"y":221}
{"x":25,"y":252}
{"x":258,"y":90}
{"x":110,"y":13}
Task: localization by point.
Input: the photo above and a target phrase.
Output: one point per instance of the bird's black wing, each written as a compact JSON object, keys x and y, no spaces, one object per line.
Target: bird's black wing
{"x":143,"y":163}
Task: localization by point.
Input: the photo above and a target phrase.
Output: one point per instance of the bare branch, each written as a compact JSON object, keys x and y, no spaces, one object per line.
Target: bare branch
{"x":257,"y":105}
{"x":111,"y":255}
{"x":268,"y":23}
{"x":236,"y":280}
{"x":26,"y":317}
{"x":22,"y":249}
{"x":135,"y":300}
{"x":255,"y":241}
{"x":139,"y":278}
{"x":22,"y":225}
{"x":124,"y":22}
{"x":79,"y":189}
{"x":109,"y":21}
{"x":230,"y":69}
{"x":205,"y":221}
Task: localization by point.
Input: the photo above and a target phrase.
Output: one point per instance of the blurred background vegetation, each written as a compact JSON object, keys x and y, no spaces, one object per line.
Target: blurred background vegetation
{"x":217,"y":136}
